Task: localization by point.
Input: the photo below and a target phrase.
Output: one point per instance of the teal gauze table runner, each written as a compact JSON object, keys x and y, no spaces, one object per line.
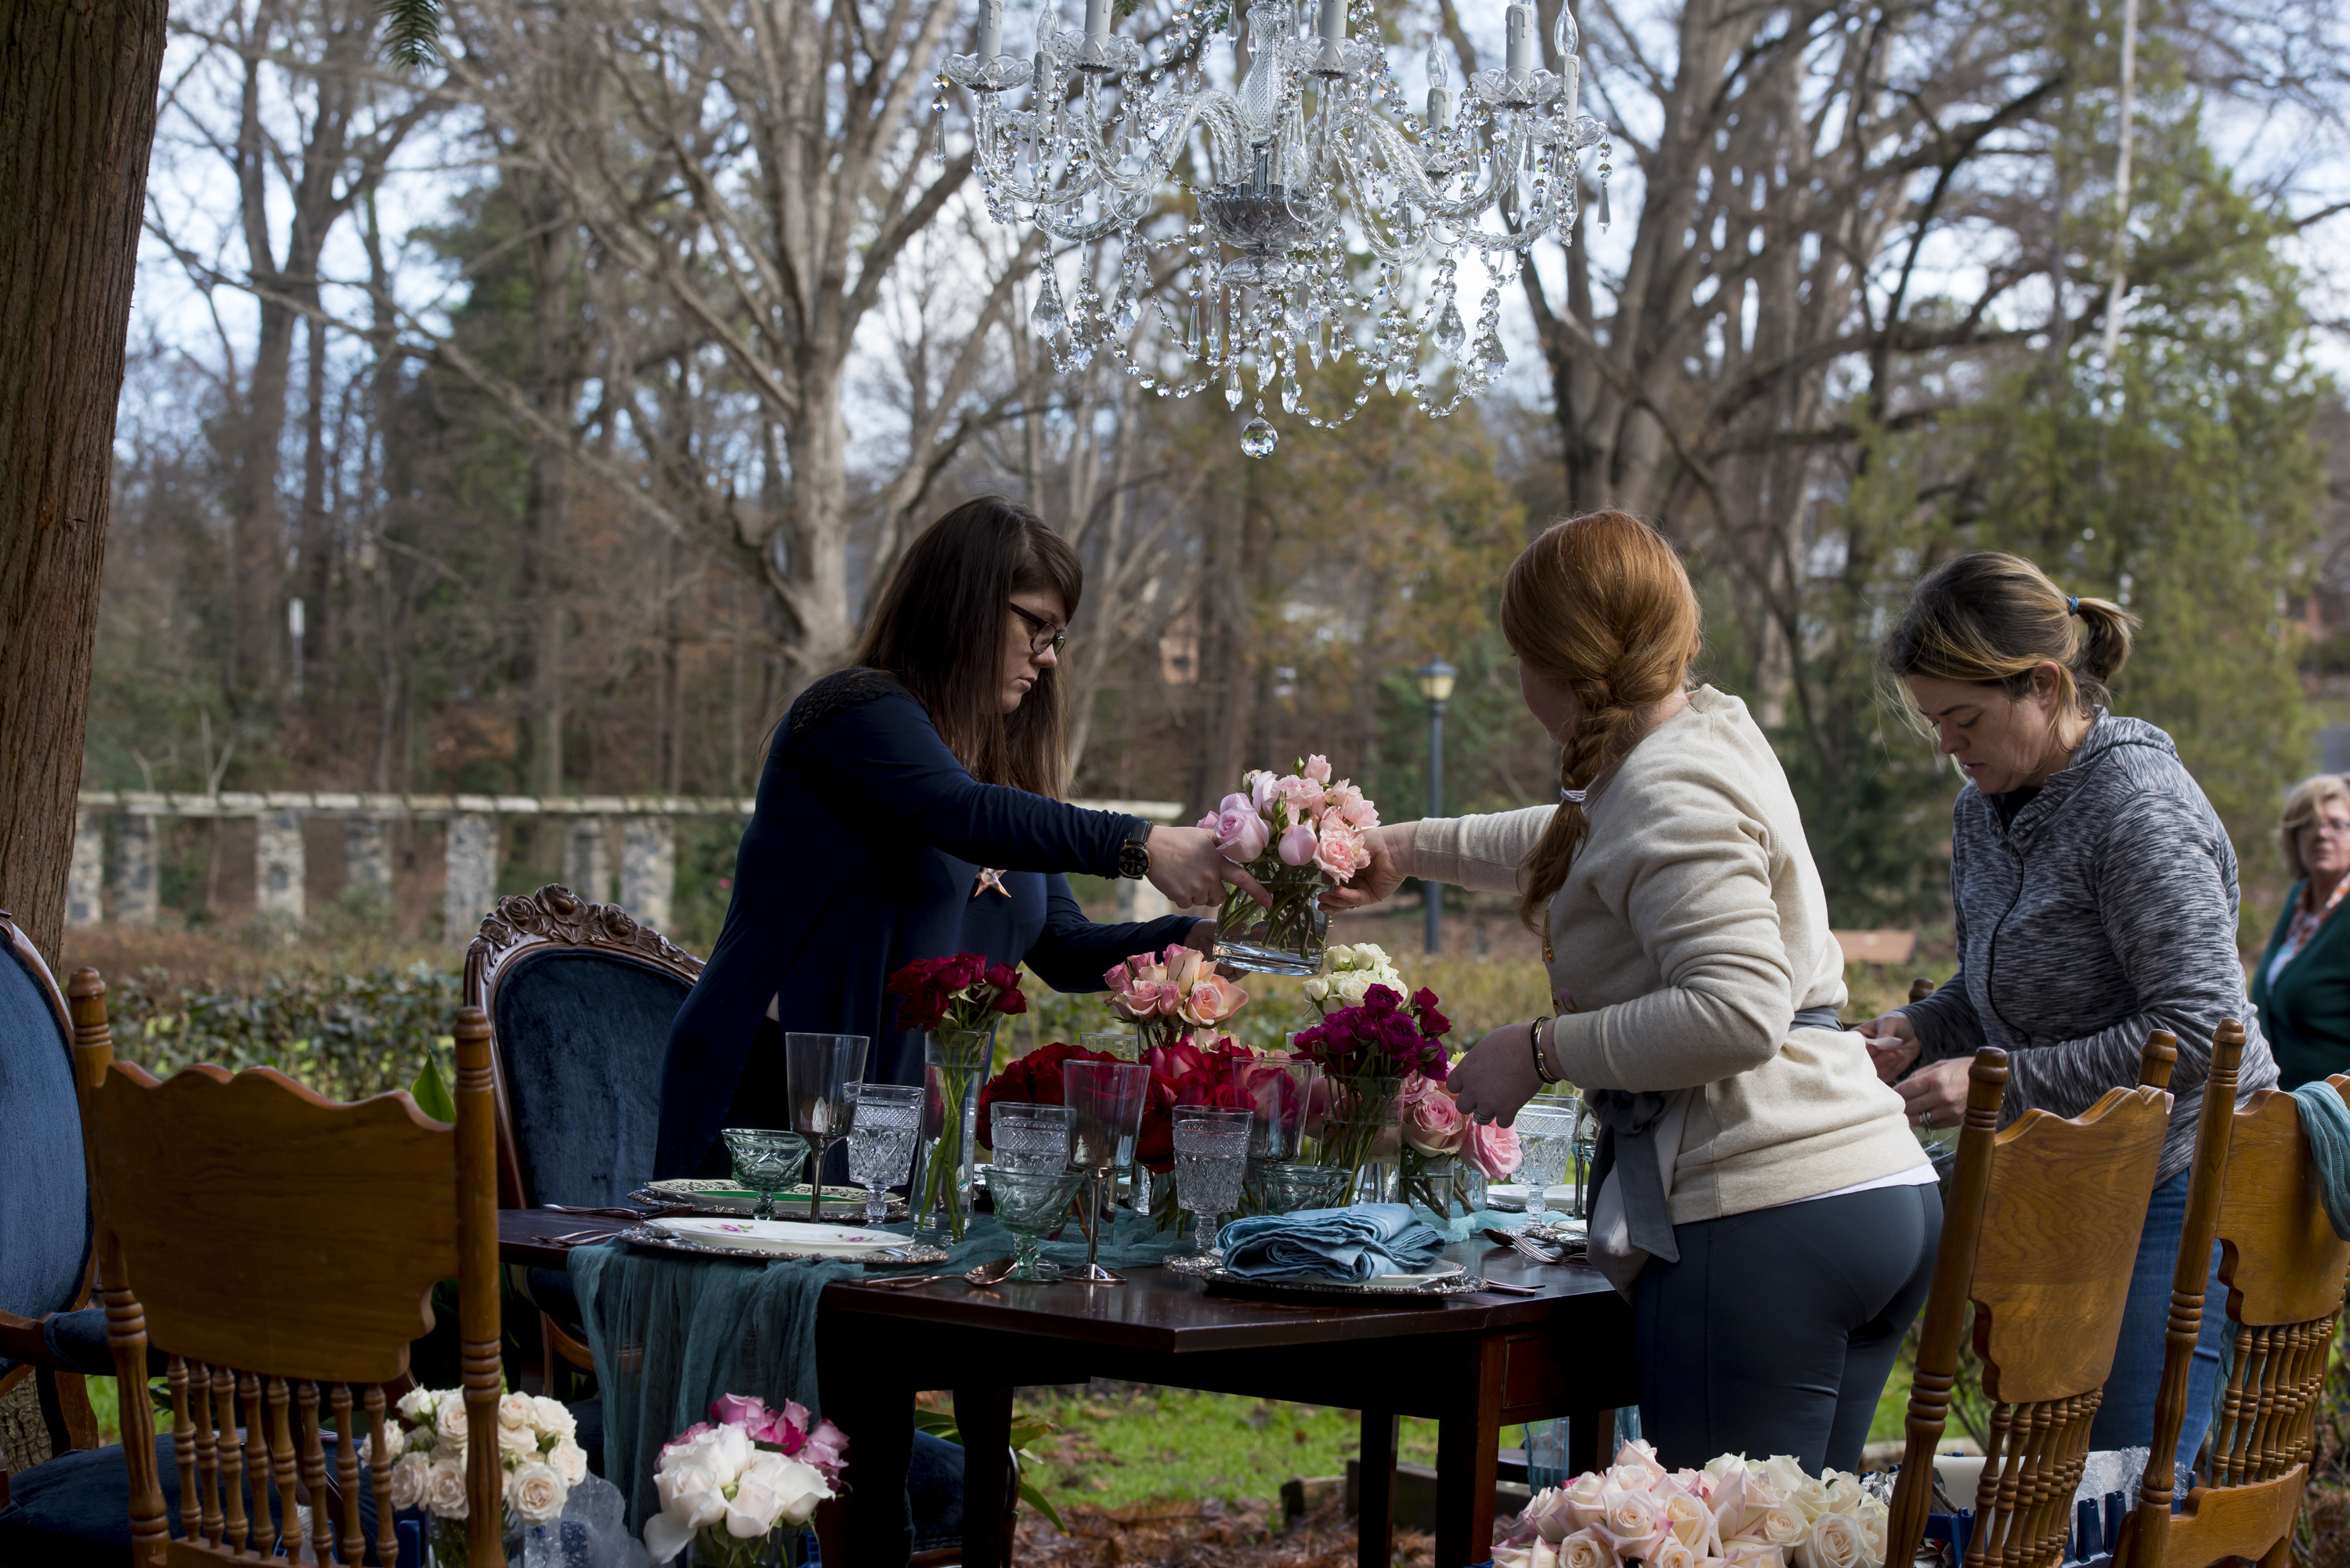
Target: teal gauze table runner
{"x":671,"y":1334}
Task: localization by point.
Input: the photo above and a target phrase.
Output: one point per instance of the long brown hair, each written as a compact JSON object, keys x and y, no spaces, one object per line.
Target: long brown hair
{"x":1600,"y":606}
{"x":939,"y":623}
{"x":1990,"y":619}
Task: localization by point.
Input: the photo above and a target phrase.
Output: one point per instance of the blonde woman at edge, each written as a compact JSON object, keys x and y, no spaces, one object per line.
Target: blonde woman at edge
{"x":1766,"y":1208}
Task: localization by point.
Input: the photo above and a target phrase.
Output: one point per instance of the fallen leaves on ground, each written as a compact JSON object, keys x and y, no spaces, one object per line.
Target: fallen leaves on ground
{"x":1209,"y":1534}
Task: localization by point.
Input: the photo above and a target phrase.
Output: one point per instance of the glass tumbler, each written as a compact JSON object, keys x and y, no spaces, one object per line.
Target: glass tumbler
{"x":1546,"y":1135}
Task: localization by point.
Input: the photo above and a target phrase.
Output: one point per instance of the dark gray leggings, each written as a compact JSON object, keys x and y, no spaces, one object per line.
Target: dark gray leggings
{"x":1775,"y":1332}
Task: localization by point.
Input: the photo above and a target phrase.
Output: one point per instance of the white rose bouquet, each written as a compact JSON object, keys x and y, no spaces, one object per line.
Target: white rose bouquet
{"x":1351,"y":972}
{"x":731,"y":1481}
{"x":538,"y":1449}
{"x":1731,"y":1514}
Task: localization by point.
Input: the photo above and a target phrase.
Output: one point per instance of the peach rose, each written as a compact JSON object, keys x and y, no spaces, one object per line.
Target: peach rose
{"x":1492,"y":1149}
{"x":1432,"y":1124}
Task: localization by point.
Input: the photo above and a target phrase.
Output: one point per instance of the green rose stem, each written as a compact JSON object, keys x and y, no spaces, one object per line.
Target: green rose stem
{"x":964,"y":1056}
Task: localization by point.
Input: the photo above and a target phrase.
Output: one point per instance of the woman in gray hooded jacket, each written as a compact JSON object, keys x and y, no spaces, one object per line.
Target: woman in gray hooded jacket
{"x":2095,"y":891}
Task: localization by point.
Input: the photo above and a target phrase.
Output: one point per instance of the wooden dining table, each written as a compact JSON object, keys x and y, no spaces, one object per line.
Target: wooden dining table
{"x":1473,"y":1363}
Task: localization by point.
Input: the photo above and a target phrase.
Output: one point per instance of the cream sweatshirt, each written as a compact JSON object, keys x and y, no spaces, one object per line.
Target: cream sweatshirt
{"x":1690,"y":931}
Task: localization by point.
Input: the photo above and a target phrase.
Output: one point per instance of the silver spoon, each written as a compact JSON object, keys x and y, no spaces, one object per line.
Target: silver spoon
{"x":986,"y":1274}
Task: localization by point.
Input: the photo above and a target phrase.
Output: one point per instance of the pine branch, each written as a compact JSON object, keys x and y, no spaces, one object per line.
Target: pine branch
{"x":411,"y":31}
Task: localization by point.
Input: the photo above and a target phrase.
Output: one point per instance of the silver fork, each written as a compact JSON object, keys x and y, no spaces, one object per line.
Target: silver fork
{"x":1526,"y":1246}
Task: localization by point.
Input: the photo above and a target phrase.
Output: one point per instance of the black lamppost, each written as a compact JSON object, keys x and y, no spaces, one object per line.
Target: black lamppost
{"x":1435,"y":679}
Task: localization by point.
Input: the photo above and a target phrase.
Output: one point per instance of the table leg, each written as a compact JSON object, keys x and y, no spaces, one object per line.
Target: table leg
{"x":1467,"y":1450}
{"x":1375,"y":1528}
{"x":878,"y":1415}
{"x":1590,"y":1440}
{"x":983,"y":1416}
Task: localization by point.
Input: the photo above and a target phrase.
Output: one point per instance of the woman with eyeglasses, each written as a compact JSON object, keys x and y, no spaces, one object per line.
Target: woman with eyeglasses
{"x":910,"y":809}
{"x":2301,"y":987}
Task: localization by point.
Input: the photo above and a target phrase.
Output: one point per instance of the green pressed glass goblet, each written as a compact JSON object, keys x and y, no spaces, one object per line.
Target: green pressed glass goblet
{"x":1031,"y":1204}
{"x":765,"y":1162}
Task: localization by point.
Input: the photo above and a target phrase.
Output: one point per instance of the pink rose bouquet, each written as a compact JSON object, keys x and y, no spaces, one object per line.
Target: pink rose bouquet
{"x":1295,"y":833}
{"x":1772,"y":1515}
{"x":1166,"y":996}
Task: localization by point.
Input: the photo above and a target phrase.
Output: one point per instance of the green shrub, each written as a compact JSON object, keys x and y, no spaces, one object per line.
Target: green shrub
{"x":345,"y":1035}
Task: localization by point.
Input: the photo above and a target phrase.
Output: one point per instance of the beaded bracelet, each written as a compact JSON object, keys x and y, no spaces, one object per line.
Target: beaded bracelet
{"x":1534,"y":1038}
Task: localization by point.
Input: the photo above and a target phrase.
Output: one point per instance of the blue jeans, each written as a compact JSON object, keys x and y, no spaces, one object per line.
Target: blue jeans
{"x":2126,"y":1417}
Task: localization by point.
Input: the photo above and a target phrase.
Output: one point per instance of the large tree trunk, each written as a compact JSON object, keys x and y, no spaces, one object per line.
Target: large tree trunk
{"x":77,"y":117}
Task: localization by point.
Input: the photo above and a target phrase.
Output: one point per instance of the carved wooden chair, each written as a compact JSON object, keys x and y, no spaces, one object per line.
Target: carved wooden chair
{"x":44,"y":1222}
{"x":2038,"y":1232}
{"x":218,"y":1197}
{"x":2254,"y":1190}
{"x":579,"y":998}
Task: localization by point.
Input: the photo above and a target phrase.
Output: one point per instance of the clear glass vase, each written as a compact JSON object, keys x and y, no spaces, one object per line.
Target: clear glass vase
{"x":955,"y":1067}
{"x":1291,"y":936}
{"x":1362,"y":1131}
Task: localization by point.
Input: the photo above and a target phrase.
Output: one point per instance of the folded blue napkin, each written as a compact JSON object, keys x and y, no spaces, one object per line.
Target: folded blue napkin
{"x":1356,"y":1245}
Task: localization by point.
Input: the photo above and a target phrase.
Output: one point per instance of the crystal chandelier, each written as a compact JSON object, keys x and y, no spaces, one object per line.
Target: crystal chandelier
{"x":1302,"y":214}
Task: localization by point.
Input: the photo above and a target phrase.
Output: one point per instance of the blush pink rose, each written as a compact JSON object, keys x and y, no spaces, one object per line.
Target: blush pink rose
{"x":1304,"y":795}
{"x":1340,"y":850}
{"x":1298,"y":846}
{"x":1241,"y":834}
{"x":1263,"y":789}
{"x":1317,"y":768}
{"x":1432,"y":1124}
{"x":1491,"y":1149}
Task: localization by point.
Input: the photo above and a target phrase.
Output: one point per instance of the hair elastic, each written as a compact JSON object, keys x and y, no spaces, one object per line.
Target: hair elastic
{"x":2072,"y":607}
{"x":1573,"y":796}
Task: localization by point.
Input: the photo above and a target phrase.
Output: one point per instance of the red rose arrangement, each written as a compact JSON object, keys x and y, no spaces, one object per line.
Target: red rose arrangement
{"x":1032,"y":1080}
{"x":958,"y":992}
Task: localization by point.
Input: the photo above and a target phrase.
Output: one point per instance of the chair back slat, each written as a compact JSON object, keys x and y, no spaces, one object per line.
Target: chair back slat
{"x":238,"y":1527}
{"x":2052,"y":1268}
{"x":2282,"y":1264}
{"x":387,"y":1538}
{"x":375,"y":1199}
{"x":2255,"y":1191}
{"x":2038,"y":1235}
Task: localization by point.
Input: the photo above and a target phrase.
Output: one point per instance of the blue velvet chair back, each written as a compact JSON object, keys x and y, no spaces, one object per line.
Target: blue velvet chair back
{"x":581,"y":1034}
{"x":45,"y":1222}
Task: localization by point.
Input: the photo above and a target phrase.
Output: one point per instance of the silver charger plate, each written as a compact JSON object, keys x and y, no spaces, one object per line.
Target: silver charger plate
{"x":1431,"y":1292}
{"x":663,"y":1241}
{"x":839,"y":1202}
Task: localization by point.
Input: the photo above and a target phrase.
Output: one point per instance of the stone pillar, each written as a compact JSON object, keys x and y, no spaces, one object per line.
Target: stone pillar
{"x":1139,"y":900}
{"x":279,"y":864}
{"x":473,"y":885}
{"x":367,"y":857}
{"x":137,"y":898}
{"x":648,"y":869}
{"x":86,"y":875}
{"x":587,"y":859}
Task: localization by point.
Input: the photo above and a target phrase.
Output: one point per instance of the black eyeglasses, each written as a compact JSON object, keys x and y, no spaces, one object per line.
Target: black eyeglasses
{"x":1041,"y":633}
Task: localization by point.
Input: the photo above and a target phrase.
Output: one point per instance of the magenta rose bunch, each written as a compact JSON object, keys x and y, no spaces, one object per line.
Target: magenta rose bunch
{"x":1381,"y":1037}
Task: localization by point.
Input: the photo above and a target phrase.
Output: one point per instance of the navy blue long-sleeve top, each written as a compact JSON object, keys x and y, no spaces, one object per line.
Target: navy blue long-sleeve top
{"x":862,"y":856}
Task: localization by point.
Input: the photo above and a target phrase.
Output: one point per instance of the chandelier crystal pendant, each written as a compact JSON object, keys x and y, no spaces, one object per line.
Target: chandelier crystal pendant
{"x":1299,"y":215}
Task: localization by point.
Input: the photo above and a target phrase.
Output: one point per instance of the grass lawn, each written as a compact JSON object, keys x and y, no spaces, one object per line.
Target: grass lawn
{"x":1126,"y":1445}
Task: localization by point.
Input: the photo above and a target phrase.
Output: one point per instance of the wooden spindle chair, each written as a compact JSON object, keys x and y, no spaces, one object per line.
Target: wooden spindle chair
{"x":2038,"y":1234}
{"x":282,"y":1249}
{"x":2254,"y":1190}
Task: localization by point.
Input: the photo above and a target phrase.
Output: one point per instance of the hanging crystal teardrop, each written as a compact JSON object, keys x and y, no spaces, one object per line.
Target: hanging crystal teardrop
{"x":1233,"y":387}
{"x":1450,"y":332}
{"x":1288,"y":395}
{"x":1124,"y":313}
{"x":1395,"y":377}
{"x":1046,"y":318}
{"x":1258,"y":438}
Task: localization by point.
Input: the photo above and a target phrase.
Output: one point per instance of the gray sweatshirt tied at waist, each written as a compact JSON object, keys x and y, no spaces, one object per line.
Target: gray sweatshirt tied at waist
{"x":2104,"y":911}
